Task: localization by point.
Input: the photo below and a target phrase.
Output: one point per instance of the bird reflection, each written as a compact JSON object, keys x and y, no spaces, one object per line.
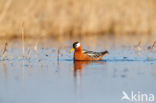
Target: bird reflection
{"x":79,"y":65}
{"x":77,"y":73}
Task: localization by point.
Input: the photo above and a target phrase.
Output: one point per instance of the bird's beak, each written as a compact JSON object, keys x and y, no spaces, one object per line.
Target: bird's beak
{"x":72,"y":50}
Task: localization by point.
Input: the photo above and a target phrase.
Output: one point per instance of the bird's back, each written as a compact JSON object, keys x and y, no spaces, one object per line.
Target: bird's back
{"x":94,"y":55}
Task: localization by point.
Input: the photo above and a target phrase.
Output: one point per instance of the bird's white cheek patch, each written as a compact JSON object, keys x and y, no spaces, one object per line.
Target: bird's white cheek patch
{"x":77,"y":45}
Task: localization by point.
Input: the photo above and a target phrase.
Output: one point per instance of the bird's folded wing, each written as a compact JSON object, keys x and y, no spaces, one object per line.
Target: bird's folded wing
{"x":92,"y":54}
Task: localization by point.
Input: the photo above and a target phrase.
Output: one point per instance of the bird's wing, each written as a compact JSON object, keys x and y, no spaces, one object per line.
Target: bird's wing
{"x":92,"y":54}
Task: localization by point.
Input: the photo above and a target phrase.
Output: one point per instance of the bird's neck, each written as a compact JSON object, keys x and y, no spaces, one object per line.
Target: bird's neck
{"x":79,"y":49}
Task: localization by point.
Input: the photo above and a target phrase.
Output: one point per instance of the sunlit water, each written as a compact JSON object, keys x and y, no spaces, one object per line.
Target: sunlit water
{"x":44,"y":76}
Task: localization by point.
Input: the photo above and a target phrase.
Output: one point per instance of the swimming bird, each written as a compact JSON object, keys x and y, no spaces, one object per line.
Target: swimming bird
{"x":82,"y":54}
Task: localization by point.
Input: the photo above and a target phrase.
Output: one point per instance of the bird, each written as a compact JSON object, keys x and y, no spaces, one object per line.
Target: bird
{"x":82,"y":54}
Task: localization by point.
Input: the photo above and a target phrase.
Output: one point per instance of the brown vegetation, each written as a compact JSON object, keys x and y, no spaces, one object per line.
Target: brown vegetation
{"x":77,"y":17}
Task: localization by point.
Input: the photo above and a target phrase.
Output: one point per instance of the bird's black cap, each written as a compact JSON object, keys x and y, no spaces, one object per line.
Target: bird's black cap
{"x":74,"y":44}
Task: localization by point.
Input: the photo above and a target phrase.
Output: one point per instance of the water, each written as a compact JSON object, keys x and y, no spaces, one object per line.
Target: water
{"x":41,"y":77}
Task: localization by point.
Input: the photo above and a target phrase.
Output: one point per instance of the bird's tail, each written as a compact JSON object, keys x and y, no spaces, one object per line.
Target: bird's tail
{"x":105,"y":52}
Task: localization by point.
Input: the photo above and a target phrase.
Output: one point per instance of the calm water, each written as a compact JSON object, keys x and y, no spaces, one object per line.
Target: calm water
{"x":41,"y":77}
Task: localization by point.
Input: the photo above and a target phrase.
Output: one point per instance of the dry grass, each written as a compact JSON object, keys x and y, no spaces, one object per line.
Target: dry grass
{"x":77,"y":17}
{"x":22,"y":37}
{"x":58,"y":54}
{"x":5,"y":50}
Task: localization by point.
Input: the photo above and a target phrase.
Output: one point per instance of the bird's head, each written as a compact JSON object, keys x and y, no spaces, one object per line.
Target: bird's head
{"x":75,"y":46}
